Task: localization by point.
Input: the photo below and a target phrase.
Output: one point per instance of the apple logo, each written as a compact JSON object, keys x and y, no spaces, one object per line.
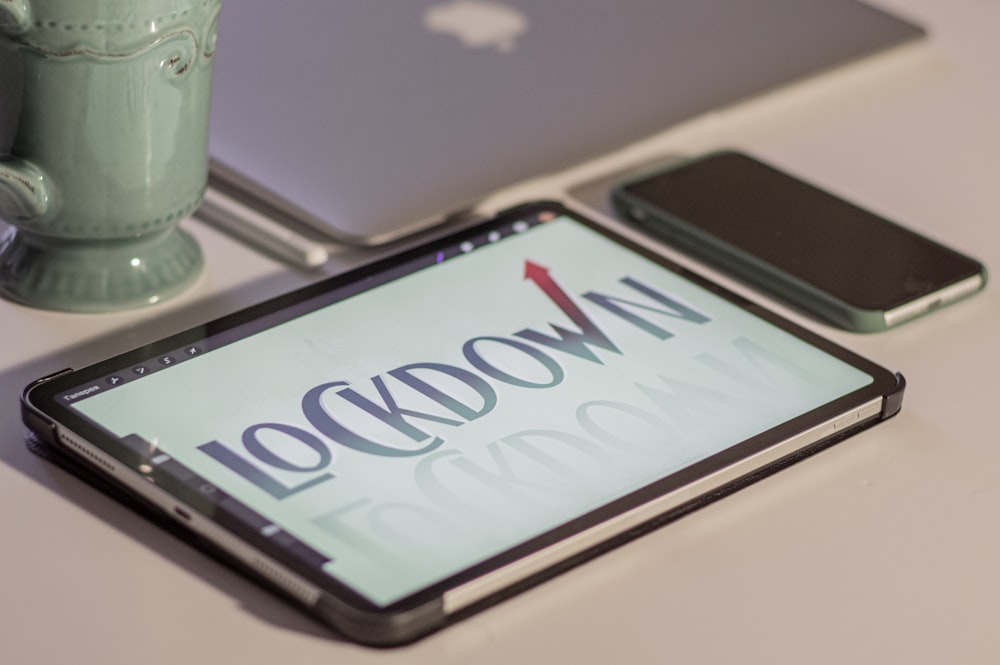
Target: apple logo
{"x":478,"y":23}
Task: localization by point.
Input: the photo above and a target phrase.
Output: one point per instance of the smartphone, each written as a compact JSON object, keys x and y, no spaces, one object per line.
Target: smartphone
{"x":398,"y":447}
{"x":797,"y":242}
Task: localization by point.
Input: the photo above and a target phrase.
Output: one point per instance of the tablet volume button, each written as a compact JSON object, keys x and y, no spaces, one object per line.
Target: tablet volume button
{"x":870,"y":410}
{"x":847,"y":421}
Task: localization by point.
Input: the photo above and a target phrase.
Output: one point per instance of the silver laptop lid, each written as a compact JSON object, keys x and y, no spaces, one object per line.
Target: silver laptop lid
{"x":374,"y":119}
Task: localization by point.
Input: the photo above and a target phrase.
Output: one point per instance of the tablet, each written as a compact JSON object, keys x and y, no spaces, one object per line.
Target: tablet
{"x":400,"y":446}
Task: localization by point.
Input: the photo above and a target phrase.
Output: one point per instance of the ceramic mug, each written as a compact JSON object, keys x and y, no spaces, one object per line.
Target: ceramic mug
{"x":103,"y":148}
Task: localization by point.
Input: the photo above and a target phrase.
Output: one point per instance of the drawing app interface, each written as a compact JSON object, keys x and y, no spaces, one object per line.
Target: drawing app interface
{"x":436,"y":420}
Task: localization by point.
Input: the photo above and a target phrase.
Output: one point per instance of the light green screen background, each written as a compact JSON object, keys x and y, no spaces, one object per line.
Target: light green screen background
{"x":541,"y":457}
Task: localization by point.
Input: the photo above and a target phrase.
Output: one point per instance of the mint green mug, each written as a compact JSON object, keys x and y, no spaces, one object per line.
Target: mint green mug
{"x":104,"y":115}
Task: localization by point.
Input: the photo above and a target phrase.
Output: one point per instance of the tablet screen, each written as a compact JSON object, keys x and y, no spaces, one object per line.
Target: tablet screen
{"x":407,"y":425}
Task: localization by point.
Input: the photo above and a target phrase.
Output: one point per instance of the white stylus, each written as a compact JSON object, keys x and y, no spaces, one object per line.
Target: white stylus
{"x":254,"y":228}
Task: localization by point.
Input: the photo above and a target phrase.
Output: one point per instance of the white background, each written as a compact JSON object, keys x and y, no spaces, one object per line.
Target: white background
{"x":882,"y":549}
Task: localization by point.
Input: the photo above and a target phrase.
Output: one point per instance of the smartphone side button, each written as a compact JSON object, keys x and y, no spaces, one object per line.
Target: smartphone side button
{"x":638,"y":213}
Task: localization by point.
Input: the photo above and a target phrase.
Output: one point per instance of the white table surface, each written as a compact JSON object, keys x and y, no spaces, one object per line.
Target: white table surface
{"x":885,"y":548}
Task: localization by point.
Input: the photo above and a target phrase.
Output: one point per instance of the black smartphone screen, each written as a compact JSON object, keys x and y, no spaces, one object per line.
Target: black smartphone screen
{"x":742,"y":205}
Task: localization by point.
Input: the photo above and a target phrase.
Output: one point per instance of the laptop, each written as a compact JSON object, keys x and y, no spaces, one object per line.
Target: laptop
{"x":370,"y":121}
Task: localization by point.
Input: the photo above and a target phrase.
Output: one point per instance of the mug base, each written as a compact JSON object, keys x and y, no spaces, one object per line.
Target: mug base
{"x":97,"y":276}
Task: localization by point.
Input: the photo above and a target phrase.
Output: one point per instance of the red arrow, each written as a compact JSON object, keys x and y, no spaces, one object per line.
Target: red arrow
{"x":568,"y":341}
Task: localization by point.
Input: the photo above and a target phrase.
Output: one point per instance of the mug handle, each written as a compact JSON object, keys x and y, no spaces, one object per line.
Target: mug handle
{"x":20,"y":12}
{"x":24,"y":190}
